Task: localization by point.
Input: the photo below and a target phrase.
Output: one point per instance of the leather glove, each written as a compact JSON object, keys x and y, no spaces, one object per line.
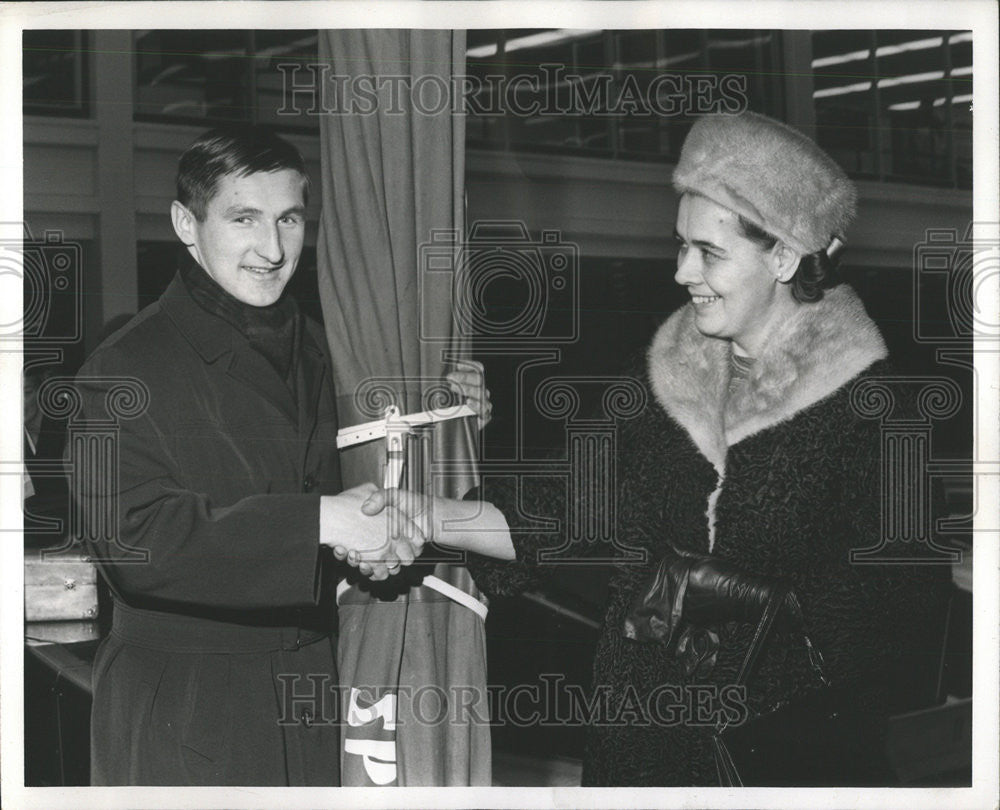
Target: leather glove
{"x":697,"y":589}
{"x":718,"y":591}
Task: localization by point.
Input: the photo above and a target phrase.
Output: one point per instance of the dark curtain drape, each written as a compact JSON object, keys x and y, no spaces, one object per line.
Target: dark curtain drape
{"x":393,"y":190}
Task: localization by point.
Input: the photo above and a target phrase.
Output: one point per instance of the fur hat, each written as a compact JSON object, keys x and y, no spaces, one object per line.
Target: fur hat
{"x":772,"y":174}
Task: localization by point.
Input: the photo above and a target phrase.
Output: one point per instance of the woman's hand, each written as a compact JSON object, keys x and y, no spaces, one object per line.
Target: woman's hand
{"x":696,"y":589}
{"x":409,"y":512}
{"x":414,"y":518}
{"x":469,"y":380}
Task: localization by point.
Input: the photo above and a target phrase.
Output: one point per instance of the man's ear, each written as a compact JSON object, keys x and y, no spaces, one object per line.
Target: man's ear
{"x":784,"y":262}
{"x":184,"y":222}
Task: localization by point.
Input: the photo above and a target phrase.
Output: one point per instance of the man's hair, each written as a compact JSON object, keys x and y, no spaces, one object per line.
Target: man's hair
{"x":236,"y":150}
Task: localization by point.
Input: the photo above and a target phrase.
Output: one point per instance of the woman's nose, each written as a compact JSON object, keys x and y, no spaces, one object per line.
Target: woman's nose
{"x":688,"y":272}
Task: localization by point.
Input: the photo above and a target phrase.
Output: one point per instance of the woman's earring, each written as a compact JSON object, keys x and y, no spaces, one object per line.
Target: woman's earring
{"x":788,"y":263}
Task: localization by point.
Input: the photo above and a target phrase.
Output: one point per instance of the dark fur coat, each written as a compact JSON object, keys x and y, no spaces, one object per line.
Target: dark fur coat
{"x":783,"y":480}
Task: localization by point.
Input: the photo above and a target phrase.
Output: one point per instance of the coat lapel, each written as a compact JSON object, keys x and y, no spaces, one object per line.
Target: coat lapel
{"x":252,"y":369}
{"x":689,"y":374}
{"x":213,"y":337}
{"x":823,"y":346}
{"x":814,"y":353}
{"x":310,"y":374}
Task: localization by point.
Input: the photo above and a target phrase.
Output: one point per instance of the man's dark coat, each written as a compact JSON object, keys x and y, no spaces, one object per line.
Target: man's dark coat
{"x":223,"y":620}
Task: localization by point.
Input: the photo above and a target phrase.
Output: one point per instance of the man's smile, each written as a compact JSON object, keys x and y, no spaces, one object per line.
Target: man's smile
{"x":260,"y":271}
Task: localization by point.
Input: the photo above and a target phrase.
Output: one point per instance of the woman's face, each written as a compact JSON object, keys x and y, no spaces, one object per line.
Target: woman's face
{"x":731,"y":280}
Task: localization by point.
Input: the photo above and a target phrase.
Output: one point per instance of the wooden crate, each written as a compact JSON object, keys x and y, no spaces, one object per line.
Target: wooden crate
{"x":59,"y":588}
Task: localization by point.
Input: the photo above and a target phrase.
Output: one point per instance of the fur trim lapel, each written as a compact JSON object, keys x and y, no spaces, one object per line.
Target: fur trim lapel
{"x":812,"y":354}
{"x":689,"y":374}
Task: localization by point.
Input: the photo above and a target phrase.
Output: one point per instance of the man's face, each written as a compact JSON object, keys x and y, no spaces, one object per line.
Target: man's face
{"x":251,"y":238}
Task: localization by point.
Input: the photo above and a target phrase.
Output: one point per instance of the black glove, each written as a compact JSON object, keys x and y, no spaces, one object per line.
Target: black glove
{"x":718,"y":591}
{"x":697,"y":589}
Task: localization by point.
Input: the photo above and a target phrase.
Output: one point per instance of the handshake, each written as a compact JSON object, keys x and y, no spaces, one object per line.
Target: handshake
{"x":380,"y":531}
{"x":377,"y":531}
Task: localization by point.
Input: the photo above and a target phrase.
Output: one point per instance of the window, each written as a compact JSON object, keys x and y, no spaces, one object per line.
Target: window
{"x":192,"y":75}
{"x":271,"y":49}
{"x":218,"y":76}
{"x":623,"y":94}
{"x":896,"y":105}
{"x":54,"y":66}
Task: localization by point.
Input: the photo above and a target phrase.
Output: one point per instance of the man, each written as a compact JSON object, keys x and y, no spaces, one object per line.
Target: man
{"x":220,"y":667}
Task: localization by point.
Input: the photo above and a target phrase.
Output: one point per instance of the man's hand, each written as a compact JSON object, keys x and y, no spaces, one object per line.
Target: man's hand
{"x":469,"y":380}
{"x":474,"y":526}
{"x":407,"y":516}
{"x":378,"y":545}
{"x":415,"y":510}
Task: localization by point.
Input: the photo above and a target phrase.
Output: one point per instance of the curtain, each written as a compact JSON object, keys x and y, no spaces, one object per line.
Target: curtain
{"x":392,"y":193}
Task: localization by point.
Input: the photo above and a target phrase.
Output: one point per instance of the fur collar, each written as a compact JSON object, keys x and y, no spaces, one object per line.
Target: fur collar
{"x":811,"y":355}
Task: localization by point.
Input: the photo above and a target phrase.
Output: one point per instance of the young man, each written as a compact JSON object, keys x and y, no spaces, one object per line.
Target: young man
{"x":220,"y":668}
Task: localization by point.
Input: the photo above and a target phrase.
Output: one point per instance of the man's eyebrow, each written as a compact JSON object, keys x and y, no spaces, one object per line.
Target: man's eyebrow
{"x":242,"y":210}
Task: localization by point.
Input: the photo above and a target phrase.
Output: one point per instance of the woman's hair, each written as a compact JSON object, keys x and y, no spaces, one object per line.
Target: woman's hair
{"x":816,"y":271}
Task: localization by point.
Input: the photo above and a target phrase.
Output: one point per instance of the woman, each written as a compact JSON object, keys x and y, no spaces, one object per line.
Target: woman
{"x":749,"y":451}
